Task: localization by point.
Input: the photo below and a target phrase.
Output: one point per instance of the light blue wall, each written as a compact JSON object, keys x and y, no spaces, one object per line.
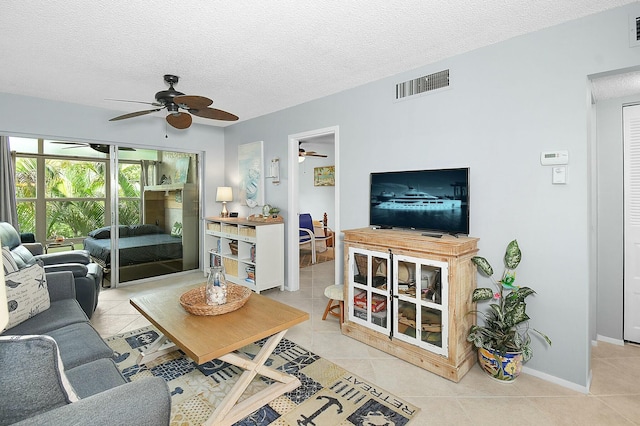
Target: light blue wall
{"x":507,"y":103}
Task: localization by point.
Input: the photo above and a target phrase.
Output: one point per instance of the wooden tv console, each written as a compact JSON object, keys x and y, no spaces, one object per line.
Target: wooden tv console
{"x":408,"y":295}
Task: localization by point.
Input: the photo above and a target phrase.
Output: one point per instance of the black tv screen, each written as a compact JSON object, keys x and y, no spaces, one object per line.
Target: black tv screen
{"x":431,"y":200}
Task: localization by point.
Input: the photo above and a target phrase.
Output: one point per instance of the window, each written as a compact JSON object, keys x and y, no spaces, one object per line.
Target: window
{"x":26,"y":178}
{"x":129,"y":193}
{"x":73,"y":181}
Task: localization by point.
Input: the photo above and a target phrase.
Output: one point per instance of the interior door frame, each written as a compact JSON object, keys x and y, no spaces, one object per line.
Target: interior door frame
{"x":293,"y":207}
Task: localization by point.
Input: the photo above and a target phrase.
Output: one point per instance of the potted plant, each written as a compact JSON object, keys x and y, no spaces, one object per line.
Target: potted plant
{"x":503,"y":340}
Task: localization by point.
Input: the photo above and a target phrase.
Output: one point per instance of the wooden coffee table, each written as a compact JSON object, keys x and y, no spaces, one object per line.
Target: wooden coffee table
{"x":204,"y":338}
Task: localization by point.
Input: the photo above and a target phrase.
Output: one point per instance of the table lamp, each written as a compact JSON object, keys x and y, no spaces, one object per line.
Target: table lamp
{"x":224,"y":194}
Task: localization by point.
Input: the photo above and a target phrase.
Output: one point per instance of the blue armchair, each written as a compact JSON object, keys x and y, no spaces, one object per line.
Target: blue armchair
{"x":87,"y":275}
{"x":309,"y":236}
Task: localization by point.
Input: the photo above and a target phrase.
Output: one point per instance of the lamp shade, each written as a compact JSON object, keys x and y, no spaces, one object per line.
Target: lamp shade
{"x":224,"y":194}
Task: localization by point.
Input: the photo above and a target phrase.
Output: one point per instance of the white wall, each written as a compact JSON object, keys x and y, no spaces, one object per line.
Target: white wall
{"x":507,"y":103}
{"x":610,"y":209}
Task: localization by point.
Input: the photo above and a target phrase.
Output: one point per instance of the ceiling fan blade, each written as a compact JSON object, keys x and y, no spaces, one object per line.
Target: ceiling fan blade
{"x":179,"y":120}
{"x":313,"y":154}
{"x":214,"y":114}
{"x":135,"y":114}
{"x":136,"y":102}
{"x":71,"y":144}
{"x":192,"y":102}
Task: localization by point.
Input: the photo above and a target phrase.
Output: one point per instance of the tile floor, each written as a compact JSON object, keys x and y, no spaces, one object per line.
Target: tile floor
{"x":615,"y":391}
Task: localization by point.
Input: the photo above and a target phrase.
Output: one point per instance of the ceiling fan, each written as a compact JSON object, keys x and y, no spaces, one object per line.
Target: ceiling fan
{"x":173,"y":101}
{"x":302,"y":153}
{"x":100,"y":147}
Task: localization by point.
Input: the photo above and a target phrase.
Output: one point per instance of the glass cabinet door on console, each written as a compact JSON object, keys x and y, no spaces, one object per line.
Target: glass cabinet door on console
{"x":421,"y":291}
{"x":369,"y":285}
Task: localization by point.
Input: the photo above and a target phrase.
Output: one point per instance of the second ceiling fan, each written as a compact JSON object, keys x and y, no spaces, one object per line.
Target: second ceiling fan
{"x":173,"y":100}
{"x":302,"y":153}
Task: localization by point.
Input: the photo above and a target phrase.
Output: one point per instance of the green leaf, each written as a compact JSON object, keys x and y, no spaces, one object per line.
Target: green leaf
{"x":516,"y":315}
{"x":482,"y":294}
{"x":483,"y":265}
{"x":527,"y":353}
{"x":518,"y":295}
{"x":513,"y":255}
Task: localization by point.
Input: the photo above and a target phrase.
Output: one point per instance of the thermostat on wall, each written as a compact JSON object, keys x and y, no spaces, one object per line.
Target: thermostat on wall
{"x":549,"y":158}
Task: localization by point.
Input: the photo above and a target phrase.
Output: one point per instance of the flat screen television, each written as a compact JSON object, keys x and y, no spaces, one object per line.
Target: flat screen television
{"x":431,"y":200}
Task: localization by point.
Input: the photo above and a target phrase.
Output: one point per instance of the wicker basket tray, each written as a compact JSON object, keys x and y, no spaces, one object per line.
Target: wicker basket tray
{"x":194,"y":301}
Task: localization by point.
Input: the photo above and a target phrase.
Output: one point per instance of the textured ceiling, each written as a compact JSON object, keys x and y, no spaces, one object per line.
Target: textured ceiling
{"x":251,"y":57}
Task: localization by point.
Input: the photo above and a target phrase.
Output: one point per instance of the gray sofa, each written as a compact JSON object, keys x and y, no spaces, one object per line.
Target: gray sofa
{"x":59,"y":347}
{"x":87,"y":275}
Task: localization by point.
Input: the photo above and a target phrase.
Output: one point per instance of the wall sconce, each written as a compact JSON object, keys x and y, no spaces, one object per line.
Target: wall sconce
{"x":224,"y":194}
{"x":274,"y":171}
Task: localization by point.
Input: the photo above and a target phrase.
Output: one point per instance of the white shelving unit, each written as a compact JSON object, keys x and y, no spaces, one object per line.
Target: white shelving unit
{"x":260,"y":251}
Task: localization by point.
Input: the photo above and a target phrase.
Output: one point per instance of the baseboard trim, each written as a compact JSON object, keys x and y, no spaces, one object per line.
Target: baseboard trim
{"x":558,"y":381}
{"x":606,"y":339}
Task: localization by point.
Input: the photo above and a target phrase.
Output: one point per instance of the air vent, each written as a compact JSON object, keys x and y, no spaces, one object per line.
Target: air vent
{"x":634,"y":30}
{"x":423,"y":84}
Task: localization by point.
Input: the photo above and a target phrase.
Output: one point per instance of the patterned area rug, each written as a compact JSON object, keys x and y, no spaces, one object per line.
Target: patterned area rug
{"x":328,"y":396}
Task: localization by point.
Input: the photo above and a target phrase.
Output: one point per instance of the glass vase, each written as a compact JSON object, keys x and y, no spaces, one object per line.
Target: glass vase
{"x":216,"y":293}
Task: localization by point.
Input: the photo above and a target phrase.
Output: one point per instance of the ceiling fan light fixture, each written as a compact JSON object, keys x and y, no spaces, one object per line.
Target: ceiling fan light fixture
{"x":174,"y":100}
{"x":300,"y":158}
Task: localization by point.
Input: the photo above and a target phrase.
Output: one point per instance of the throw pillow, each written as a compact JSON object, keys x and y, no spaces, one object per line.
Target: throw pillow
{"x":8,"y":261}
{"x":34,"y":377}
{"x":27,"y":293}
{"x":176,"y":231}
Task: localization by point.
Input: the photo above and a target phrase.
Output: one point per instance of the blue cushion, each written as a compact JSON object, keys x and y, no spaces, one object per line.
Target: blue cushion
{"x":104,"y":233}
{"x":306,"y":223}
{"x":80,"y":343}
{"x":60,"y":313}
{"x":95,"y":377}
{"x":33,"y":379}
{"x":143,"y":229}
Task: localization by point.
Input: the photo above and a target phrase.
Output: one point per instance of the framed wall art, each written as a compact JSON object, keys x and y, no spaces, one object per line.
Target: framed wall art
{"x":251,"y":190}
{"x":324,"y":176}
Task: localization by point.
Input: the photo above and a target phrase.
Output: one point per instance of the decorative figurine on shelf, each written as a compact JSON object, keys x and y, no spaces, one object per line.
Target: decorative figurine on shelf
{"x":216,"y":293}
{"x":266,"y":210}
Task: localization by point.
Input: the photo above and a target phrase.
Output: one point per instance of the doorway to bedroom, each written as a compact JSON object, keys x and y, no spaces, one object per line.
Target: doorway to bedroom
{"x":80,"y":193}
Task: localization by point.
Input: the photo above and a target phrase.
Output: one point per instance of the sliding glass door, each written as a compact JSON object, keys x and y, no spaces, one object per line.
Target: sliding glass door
{"x":164,"y":238}
{"x":80,"y":192}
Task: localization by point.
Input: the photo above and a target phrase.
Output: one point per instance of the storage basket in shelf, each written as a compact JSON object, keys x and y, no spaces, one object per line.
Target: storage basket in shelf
{"x":229,"y":229}
{"x":230,"y":266}
{"x":194,"y":301}
{"x":213,"y":227}
{"x":247,"y":232}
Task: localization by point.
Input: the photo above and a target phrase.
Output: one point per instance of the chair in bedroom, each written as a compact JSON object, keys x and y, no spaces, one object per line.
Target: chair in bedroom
{"x":87,"y":275}
{"x":309,"y":234}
